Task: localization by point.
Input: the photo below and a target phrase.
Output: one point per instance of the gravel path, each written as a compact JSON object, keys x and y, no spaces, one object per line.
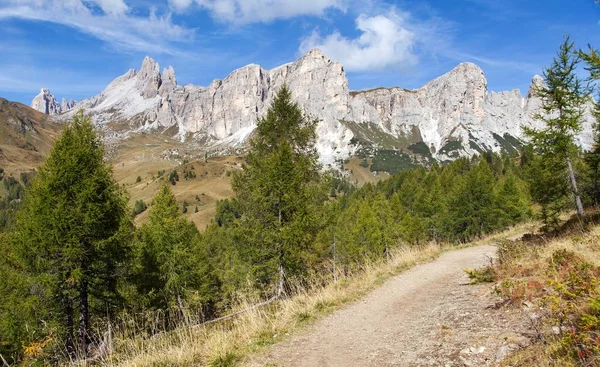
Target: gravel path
{"x":426,"y":316}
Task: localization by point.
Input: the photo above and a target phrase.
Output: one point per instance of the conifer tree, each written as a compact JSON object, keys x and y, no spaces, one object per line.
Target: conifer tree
{"x":167,"y":266}
{"x":562,"y":98}
{"x":71,"y":236}
{"x":278,"y":193}
{"x":472,"y":210}
{"x":592,"y":60}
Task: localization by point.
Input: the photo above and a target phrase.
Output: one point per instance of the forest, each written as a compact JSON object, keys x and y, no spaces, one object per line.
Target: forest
{"x":73,"y":261}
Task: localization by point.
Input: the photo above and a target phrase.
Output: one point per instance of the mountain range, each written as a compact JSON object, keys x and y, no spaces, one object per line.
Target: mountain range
{"x":451,"y":116}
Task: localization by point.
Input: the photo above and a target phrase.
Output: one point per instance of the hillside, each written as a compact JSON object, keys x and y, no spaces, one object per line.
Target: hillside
{"x":146,"y":155}
{"x":26,"y":136}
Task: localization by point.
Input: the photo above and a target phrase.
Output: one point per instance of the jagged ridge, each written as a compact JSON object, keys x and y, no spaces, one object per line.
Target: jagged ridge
{"x":453,"y":115}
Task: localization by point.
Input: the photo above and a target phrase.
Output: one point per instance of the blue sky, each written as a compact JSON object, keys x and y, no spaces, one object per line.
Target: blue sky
{"x":76,"y":47}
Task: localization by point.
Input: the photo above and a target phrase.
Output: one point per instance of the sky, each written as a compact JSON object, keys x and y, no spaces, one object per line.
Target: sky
{"x":76,"y":47}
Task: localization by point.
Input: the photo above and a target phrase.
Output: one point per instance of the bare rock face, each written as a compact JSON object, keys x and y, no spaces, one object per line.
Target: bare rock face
{"x":46,"y":103}
{"x":148,"y":78}
{"x":67,"y":105}
{"x":453,"y":115}
{"x":168,"y":82}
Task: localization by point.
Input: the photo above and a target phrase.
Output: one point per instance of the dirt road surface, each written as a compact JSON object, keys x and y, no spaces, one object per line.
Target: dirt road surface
{"x":427,"y":316}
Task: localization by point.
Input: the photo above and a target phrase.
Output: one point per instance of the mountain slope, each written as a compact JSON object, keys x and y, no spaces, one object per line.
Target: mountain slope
{"x":26,"y":135}
{"x":451,"y":116}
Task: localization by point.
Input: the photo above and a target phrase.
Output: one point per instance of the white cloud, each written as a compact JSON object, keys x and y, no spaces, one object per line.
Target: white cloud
{"x":385,"y":41}
{"x":260,"y":11}
{"x":180,"y":5}
{"x":117,"y":26}
{"x":112,"y":7}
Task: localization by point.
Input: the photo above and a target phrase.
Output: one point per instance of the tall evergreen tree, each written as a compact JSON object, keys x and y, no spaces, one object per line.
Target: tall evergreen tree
{"x":592,"y":60}
{"x":563,"y":96}
{"x":71,"y":236}
{"x":278,"y":193}
{"x":168,"y":267}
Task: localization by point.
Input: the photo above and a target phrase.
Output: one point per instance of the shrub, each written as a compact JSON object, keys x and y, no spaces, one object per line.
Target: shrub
{"x":139,"y":207}
{"x":485,"y":274}
{"x":173,"y":177}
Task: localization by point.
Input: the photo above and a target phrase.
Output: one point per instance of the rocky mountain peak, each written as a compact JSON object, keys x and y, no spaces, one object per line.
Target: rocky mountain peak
{"x":314,"y":53}
{"x":168,"y":81}
{"x":537,"y":82}
{"x":452,"y":115}
{"x":148,"y":78}
{"x":45,"y":102}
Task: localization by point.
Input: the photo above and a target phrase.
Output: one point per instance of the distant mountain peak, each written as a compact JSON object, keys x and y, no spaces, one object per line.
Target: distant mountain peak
{"x":45,"y":102}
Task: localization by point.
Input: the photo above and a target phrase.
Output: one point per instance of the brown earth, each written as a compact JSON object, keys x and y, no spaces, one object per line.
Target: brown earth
{"x":427,"y":316}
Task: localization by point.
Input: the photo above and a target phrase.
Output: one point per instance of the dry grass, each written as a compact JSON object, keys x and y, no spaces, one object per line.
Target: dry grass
{"x":225,"y":343}
{"x":361,"y":175}
{"x":229,"y":342}
{"x":524,"y":275}
{"x":144,"y":156}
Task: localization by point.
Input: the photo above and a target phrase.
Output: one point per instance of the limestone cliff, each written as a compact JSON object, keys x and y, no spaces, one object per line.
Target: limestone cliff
{"x":453,"y":115}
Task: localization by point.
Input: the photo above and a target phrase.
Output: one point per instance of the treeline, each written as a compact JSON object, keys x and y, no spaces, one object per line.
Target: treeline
{"x":455,"y":203}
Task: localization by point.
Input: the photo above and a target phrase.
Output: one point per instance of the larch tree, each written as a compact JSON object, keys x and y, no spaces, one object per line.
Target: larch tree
{"x":592,"y":61}
{"x":71,"y":237}
{"x":563,"y":96}
{"x":278,"y":193}
{"x":167,"y":266}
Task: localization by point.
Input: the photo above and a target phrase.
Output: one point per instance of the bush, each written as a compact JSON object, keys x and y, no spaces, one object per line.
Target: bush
{"x":485,"y":274}
{"x":139,"y":207}
{"x":138,"y":179}
{"x":14,"y":190}
{"x":173,"y":177}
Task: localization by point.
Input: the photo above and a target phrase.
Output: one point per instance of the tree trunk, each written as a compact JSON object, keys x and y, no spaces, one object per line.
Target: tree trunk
{"x":334,"y":261}
{"x":281,"y":285}
{"x":574,"y":187}
{"x":70,"y":342}
{"x":182,"y":309}
{"x":84,"y":317}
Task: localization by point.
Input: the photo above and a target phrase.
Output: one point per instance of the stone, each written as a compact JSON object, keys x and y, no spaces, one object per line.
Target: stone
{"x":504,"y":351}
{"x":148,"y":78}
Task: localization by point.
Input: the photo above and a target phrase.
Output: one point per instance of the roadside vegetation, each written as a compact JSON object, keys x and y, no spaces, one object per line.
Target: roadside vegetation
{"x":555,"y":274}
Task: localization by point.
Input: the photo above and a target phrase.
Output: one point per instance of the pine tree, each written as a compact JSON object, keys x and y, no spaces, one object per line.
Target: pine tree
{"x":71,"y":237}
{"x":167,"y":268}
{"x":562,"y":98}
{"x":472,"y":211}
{"x":278,"y":193}
{"x":592,"y":60}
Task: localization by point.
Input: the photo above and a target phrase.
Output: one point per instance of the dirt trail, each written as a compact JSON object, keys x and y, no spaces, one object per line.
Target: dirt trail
{"x":427,"y":316}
